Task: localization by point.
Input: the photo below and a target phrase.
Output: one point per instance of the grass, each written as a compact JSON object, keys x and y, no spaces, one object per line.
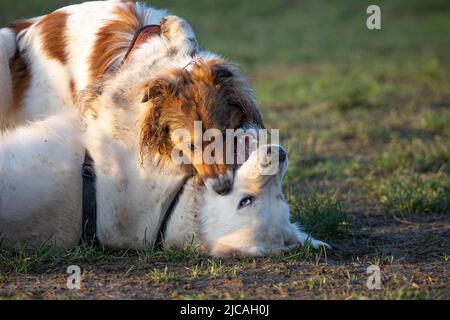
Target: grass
{"x":437,"y":123}
{"x":414,"y":195}
{"x":23,"y":260}
{"x":407,"y":294}
{"x":16,"y":296}
{"x":321,"y":215}
{"x":213,"y":268}
{"x":316,"y":281}
{"x":399,"y":294}
{"x":417,"y":155}
{"x":363,"y":114}
{"x":163,"y":276}
{"x":190,"y":254}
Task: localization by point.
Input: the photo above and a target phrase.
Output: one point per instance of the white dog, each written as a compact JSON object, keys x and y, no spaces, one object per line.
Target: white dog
{"x":40,"y":198}
{"x":40,"y":164}
{"x":254,"y":219}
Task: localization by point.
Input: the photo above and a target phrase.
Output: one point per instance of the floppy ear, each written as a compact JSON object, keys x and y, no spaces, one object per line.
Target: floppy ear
{"x":221,"y":74}
{"x":169,"y":87}
{"x":155,"y":133}
{"x":156,"y":90}
{"x":238,"y":93}
{"x":148,"y":95}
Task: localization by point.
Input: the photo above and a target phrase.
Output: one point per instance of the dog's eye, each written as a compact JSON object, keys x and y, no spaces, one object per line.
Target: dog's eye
{"x":246,"y":202}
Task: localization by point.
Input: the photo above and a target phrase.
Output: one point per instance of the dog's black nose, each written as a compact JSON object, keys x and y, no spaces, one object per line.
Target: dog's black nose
{"x":282,"y":155}
{"x":223,"y":188}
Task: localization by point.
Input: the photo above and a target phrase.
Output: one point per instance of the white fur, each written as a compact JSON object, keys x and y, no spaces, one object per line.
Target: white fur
{"x":50,"y":89}
{"x":217,"y":224}
{"x":40,"y":185}
{"x":40,"y":189}
{"x":40,"y":196}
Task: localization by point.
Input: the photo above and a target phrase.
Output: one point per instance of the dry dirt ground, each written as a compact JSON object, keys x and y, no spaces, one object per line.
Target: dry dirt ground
{"x":410,"y":253}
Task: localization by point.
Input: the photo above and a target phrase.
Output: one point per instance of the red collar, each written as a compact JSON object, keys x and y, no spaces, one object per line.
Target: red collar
{"x":142,"y":36}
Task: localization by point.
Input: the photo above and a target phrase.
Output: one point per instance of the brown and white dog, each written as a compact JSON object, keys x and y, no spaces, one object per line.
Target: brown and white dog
{"x":63,"y":60}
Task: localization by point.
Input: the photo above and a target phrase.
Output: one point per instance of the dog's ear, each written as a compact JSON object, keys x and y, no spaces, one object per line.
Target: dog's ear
{"x":168,"y":87}
{"x":222,"y":74}
{"x":238,"y":92}
{"x":149,"y":94}
{"x":155,"y":135}
{"x":156,"y":90}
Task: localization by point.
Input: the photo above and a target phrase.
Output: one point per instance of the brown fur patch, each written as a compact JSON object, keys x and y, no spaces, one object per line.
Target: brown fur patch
{"x":20,"y":72}
{"x":73,"y":90}
{"x":113,"y":40}
{"x":21,"y":79}
{"x":54,"y":36}
{"x":20,"y":25}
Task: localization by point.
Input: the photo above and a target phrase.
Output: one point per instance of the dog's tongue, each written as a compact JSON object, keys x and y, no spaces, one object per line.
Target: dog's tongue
{"x":142,"y":37}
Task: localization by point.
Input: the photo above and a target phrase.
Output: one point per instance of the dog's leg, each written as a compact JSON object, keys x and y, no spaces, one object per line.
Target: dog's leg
{"x":180,"y":35}
{"x":7,"y":50}
{"x":305,"y":238}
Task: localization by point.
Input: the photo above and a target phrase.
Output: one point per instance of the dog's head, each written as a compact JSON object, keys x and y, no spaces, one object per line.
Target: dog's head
{"x":203,"y":96}
{"x":254,"y":219}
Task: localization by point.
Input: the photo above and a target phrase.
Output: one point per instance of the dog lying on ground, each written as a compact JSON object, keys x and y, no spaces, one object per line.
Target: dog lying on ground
{"x":71,"y":52}
{"x":162,"y":86}
{"x":40,"y":196}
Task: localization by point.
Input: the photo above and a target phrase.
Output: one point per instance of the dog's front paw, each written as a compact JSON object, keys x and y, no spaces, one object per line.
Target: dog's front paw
{"x":180,"y":34}
{"x":316,"y":244}
{"x":306,"y":239}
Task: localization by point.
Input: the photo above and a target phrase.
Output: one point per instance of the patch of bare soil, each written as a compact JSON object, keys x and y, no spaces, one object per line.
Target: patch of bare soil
{"x":413,"y":255}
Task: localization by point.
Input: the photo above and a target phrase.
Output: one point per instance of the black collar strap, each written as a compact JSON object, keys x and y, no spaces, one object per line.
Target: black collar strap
{"x":89,"y":226}
{"x":159,"y":243}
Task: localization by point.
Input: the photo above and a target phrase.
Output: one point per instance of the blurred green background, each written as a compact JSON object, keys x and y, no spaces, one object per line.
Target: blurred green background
{"x":288,"y":45}
{"x":364,"y":114}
